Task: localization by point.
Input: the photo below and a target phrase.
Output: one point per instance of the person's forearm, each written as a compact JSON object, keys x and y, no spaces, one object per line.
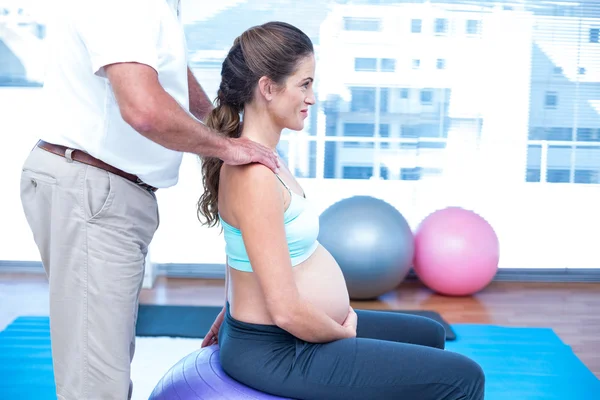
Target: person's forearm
{"x":310,"y":324}
{"x":200,"y":104}
{"x":165,"y":122}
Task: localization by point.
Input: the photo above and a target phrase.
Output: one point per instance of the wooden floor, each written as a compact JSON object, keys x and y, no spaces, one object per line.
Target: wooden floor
{"x":571,"y":309}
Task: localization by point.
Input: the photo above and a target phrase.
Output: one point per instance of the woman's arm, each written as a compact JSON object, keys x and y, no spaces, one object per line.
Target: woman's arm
{"x":258,"y":209}
{"x":226,"y":280}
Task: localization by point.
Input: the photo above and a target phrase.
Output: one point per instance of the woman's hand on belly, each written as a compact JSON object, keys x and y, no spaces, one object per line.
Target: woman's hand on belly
{"x":351,"y":321}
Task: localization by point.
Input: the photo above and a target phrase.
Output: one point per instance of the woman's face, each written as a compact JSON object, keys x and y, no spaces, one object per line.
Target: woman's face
{"x":289,"y":107}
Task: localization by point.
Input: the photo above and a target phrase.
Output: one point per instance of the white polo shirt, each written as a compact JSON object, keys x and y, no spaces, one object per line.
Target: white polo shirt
{"x":80,"y":107}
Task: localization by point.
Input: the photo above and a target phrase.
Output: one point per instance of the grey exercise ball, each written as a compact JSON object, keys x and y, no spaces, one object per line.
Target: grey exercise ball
{"x":372,"y":243}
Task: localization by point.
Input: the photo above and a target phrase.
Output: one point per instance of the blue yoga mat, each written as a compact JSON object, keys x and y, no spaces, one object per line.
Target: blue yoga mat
{"x":519,"y":363}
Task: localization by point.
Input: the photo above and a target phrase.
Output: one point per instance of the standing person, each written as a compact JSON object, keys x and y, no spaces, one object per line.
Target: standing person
{"x":120,"y":108}
{"x":287,"y":327}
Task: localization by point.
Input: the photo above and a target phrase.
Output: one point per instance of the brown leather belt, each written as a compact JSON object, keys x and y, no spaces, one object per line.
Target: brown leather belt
{"x":85,"y":158}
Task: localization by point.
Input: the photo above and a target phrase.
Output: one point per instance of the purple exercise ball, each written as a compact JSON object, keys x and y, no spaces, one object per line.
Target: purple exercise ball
{"x":199,"y":376}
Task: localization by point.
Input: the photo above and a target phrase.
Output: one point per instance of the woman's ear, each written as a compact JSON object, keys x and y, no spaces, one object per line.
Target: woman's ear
{"x":265,"y":85}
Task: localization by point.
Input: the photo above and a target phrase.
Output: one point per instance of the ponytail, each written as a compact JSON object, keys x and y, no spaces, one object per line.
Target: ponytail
{"x":225,"y":119}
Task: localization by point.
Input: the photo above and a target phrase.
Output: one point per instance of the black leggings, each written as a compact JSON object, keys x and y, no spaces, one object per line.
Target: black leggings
{"x":394,"y":356}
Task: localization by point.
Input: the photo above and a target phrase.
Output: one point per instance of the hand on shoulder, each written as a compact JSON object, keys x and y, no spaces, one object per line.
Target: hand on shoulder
{"x":242,"y":151}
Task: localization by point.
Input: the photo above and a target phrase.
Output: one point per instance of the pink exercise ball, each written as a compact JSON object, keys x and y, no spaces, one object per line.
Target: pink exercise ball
{"x":456,"y":252}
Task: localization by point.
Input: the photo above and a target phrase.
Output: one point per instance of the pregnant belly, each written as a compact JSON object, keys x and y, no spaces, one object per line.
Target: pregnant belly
{"x":320,"y":280}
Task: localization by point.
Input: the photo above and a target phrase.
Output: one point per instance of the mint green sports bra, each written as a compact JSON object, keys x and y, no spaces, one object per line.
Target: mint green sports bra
{"x":301,"y":221}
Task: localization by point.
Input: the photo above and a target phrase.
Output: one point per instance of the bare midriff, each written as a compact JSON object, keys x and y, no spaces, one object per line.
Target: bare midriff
{"x":319,"y":280}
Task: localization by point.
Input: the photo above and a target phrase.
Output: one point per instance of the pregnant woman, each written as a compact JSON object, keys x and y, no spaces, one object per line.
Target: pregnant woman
{"x":287,"y":327}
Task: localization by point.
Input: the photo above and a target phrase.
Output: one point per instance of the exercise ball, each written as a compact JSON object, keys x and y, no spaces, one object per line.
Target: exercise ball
{"x":372,"y":243}
{"x":456,"y":252}
{"x":199,"y":376}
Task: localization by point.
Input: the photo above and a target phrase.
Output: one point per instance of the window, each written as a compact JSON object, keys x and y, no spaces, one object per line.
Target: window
{"x":359,"y":130}
{"x":384,"y":94}
{"x":431,"y":124}
{"x":417,"y":173}
{"x":363,"y":99}
{"x":555,"y":133}
{"x":415,"y":26}
{"x":388,"y":65}
{"x":558,"y":176}
{"x":473,"y":26}
{"x":594,"y":35}
{"x":352,"y":172}
{"x":551,"y":100}
{"x":423,"y":130}
{"x":588,"y":134}
{"x":426,"y":96}
{"x":370,"y":64}
{"x":563,"y":145}
{"x":587,"y":176}
{"x":533,"y":175}
{"x":365,"y":130}
{"x":565,"y":163}
{"x":441,"y":26}
{"x":384,"y":132}
{"x":365,"y":64}
{"x":534,"y":162}
{"x":362,"y":24}
{"x":13,"y":69}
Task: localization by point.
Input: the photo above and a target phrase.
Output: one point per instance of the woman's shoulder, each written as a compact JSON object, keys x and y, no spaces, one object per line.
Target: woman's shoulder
{"x":248,"y":184}
{"x":249,"y":194}
{"x":253,"y":175}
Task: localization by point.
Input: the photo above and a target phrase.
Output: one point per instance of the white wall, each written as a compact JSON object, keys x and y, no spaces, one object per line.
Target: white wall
{"x":539,"y":225}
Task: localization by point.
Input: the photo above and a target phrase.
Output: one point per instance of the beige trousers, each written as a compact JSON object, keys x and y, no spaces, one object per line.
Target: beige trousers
{"x":92,"y":229}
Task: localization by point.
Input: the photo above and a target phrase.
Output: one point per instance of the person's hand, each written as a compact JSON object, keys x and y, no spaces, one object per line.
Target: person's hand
{"x":245,"y":151}
{"x":212,"y":337}
{"x":351,"y":322}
